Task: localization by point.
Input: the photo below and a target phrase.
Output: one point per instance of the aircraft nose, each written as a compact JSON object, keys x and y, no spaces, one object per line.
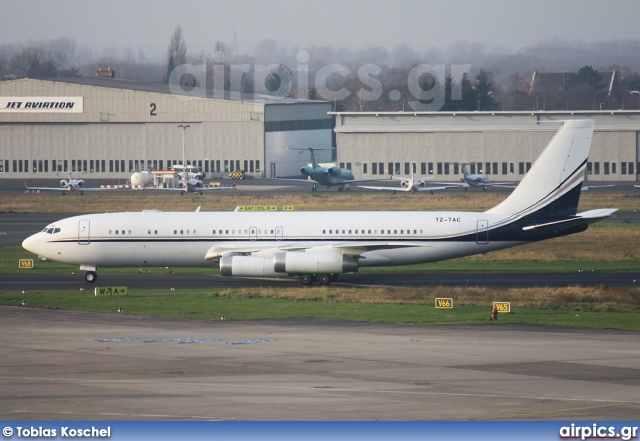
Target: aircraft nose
{"x":30,"y":244}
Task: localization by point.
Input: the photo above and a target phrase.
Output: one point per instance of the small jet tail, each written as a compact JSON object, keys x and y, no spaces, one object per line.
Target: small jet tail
{"x":552,"y":186}
{"x":314,"y":164}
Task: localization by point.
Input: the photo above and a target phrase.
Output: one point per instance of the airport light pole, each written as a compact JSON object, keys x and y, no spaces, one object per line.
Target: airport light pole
{"x":184,"y":128}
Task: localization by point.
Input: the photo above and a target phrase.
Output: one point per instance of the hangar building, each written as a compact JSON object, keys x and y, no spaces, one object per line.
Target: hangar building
{"x":109,"y":128}
{"x":502,"y":145}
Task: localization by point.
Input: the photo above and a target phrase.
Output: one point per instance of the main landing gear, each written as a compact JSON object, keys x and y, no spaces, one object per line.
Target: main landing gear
{"x":91,"y":277}
{"x":322,"y":279}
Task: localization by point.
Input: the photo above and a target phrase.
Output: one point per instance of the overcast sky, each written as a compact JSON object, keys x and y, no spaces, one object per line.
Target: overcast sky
{"x":148,"y":24}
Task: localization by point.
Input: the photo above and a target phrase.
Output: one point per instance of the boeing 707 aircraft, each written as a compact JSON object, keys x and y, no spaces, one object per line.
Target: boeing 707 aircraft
{"x":319,"y":246}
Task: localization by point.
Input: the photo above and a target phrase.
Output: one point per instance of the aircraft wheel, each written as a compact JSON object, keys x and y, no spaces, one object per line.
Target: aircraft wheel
{"x":181,"y":193}
{"x":91,"y":277}
{"x":324,"y":279}
{"x":306,"y":279}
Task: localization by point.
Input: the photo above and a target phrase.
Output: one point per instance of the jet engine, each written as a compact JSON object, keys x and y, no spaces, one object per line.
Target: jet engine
{"x":247,"y":266}
{"x":335,"y":170}
{"x":311,"y":263}
{"x":283,"y":264}
{"x":306,"y":170}
{"x":421,"y":184}
{"x":64,"y":183}
{"x":79,"y":183}
{"x":404,"y":184}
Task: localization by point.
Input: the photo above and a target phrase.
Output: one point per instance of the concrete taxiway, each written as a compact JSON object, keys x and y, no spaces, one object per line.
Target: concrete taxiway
{"x":61,"y":365}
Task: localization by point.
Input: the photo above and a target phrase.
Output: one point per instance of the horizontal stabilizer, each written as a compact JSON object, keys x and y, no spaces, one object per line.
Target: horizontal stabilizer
{"x":586,"y":217}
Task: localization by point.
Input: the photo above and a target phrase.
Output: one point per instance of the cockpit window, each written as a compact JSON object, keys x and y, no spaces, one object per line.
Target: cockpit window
{"x":50,"y":230}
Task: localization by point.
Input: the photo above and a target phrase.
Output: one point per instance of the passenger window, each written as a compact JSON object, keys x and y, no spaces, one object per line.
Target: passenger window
{"x":175,"y":231}
{"x":155,"y":232}
{"x":116,"y":231}
{"x":129,"y":232}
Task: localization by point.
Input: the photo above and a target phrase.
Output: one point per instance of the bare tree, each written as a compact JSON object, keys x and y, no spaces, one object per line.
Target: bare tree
{"x":177,"y":51}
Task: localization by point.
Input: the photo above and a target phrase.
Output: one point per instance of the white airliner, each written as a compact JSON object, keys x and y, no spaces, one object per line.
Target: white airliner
{"x":320,"y":246}
{"x":68,"y":186}
{"x":411,"y":184}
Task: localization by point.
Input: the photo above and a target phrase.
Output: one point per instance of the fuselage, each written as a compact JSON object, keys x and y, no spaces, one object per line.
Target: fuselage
{"x":185,"y":238}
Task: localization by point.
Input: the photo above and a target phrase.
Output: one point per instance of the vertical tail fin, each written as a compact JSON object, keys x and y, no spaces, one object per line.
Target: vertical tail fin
{"x":552,"y":186}
{"x":314,"y":164}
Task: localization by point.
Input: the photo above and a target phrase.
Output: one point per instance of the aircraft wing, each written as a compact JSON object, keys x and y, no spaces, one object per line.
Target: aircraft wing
{"x":404,"y":189}
{"x":453,"y":184}
{"x":587,"y":187}
{"x":310,"y":181}
{"x":385,"y":188}
{"x":355,"y":248}
{"x":70,"y":189}
{"x":216,"y":188}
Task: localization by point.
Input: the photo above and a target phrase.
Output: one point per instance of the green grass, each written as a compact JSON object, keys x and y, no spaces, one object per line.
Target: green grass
{"x":209,"y":305}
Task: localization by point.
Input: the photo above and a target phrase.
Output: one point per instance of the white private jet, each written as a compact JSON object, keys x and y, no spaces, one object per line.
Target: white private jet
{"x":319,"y":246}
{"x":476,"y":180}
{"x":411,"y":184}
{"x":68,"y":186}
{"x":194,"y":185}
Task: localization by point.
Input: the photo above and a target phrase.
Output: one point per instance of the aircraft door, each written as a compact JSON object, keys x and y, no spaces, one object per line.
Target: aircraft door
{"x":253,"y":233}
{"x":83,"y":232}
{"x":278,"y":233}
{"x":482,"y":234}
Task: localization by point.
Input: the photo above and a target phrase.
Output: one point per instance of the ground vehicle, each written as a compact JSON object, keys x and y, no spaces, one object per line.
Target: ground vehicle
{"x":237,"y":174}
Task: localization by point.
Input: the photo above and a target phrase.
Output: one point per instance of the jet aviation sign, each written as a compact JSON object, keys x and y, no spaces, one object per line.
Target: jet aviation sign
{"x":41,"y":104}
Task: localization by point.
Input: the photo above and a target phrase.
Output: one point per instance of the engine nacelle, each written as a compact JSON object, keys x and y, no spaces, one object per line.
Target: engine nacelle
{"x":247,"y":266}
{"x":421,"y":184}
{"x":310,"y":263}
{"x":79,"y":183}
{"x":306,"y":170}
{"x":404,"y":184}
{"x":63,"y":183}
{"x":335,"y":171}
{"x":195,"y":183}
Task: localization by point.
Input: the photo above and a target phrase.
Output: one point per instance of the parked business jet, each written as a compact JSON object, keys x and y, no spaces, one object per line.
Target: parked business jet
{"x":476,"y":180}
{"x":68,"y":186}
{"x":322,"y":174}
{"x":194,"y":186}
{"x":317,"y":246}
{"x":411,"y":185}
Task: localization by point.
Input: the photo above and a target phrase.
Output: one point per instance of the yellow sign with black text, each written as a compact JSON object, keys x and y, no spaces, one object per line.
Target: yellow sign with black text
{"x":111,"y":291}
{"x":25,"y":263}
{"x":502,"y":306}
{"x":257,"y":208}
{"x":444,"y":303}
